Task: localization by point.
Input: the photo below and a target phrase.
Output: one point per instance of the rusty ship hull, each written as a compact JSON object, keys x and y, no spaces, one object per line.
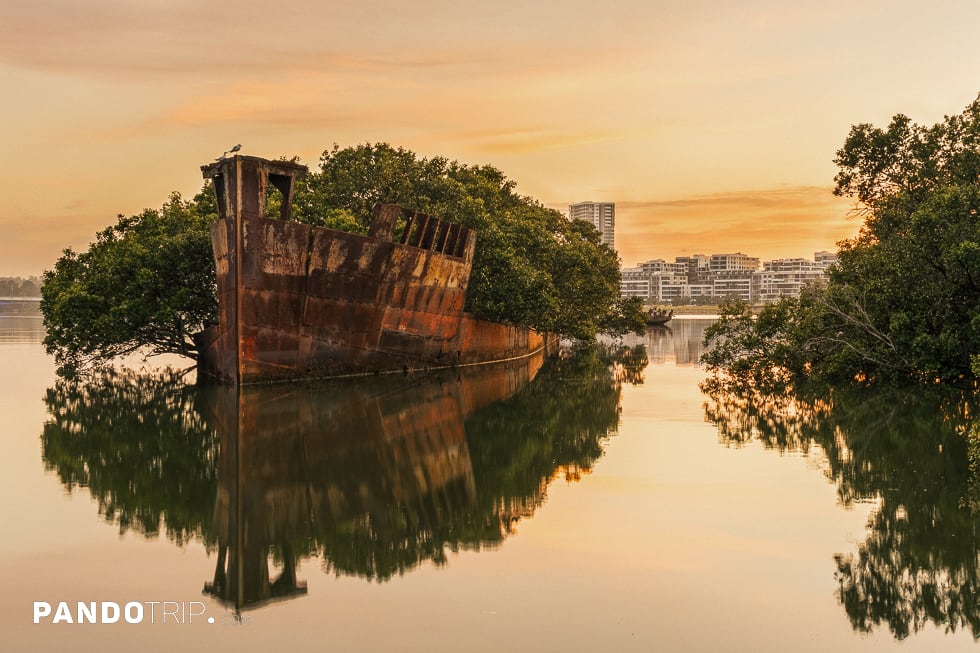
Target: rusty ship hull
{"x":302,"y":302}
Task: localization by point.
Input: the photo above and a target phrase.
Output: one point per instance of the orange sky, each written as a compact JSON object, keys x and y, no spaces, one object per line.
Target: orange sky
{"x":712,"y":125}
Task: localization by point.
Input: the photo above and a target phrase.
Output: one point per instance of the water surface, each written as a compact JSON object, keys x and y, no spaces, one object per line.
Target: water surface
{"x":593,"y":502}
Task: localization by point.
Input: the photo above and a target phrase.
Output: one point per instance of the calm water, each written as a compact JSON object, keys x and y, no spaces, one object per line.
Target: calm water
{"x":607,"y":504}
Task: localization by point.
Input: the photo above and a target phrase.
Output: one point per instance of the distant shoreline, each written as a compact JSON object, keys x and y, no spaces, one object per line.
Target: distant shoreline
{"x":707,"y":309}
{"x":20,"y":307}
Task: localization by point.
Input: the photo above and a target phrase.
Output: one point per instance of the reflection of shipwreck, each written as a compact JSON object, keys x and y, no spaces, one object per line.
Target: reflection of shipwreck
{"x":297,"y":301}
{"x":386,"y":457}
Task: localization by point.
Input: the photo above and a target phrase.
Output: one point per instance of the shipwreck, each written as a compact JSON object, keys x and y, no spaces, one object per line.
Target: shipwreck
{"x":297,"y":301}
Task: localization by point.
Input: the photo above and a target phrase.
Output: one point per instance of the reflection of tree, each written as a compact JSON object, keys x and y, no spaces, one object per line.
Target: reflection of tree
{"x":136,"y":442}
{"x":777,"y":421}
{"x":554,"y":426}
{"x":919,"y":563}
{"x":972,"y":500}
{"x":375,"y":476}
{"x":628,"y":363}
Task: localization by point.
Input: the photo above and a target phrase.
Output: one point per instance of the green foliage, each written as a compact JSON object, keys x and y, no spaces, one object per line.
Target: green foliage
{"x":919,"y":284}
{"x":532,"y":267}
{"x":341,"y":220}
{"x":628,"y":316}
{"x":902,"y":306}
{"x":903,"y":301}
{"x":146,"y":283}
{"x":907,"y":160}
{"x":761,"y":351}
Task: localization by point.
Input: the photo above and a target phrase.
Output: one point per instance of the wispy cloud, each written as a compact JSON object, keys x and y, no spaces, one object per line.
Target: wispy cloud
{"x":770,"y":223}
{"x":248,"y":38}
{"x":510,"y":141}
{"x":786,"y":196}
{"x":659,"y":102}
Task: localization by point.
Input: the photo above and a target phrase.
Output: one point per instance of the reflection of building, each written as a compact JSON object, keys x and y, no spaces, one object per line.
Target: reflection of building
{"x":680,"y":343}
{"x":601,"y":214}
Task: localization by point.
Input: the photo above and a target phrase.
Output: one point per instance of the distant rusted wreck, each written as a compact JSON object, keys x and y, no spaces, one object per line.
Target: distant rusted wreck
{"x":298,"y":302}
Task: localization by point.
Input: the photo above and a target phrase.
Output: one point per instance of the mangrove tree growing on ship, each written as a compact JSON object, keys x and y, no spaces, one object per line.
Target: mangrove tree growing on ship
{"x":147,"y":283}
{"x":902,"y":304}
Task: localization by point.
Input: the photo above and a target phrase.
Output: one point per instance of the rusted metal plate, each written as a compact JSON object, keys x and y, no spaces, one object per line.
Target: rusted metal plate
{"x":297,"y":301}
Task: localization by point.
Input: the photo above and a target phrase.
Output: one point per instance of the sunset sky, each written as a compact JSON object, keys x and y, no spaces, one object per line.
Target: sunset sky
{"x":713,"y":125}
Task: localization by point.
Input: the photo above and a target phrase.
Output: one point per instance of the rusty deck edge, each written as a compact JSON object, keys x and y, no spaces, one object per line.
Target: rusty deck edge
{"x":430,"y":369}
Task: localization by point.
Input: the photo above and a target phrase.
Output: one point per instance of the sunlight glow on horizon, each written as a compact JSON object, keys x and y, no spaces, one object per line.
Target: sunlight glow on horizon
{"x":712,"y":127}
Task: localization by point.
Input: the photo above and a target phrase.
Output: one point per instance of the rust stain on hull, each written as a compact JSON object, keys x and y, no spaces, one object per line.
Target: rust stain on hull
{"x":297,"y":301}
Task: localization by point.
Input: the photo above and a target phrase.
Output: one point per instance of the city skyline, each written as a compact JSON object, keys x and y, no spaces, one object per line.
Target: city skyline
{"x":760,"y":260}
{"x":705,"y":123}
{"x":720,"y":276}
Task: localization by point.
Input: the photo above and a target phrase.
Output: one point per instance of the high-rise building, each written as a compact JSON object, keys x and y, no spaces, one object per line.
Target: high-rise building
{"x":601,"y":214}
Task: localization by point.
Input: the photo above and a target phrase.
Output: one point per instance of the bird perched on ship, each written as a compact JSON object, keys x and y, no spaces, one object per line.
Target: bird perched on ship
{"x":231,"y":151}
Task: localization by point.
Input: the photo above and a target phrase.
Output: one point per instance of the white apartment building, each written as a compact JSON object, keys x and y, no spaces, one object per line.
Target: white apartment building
{"x":667,"y":286}
{"x":634,"y":282}
{"x":736,"y":262}
{"x":601,"y":214}
{"x":723,"y":275}
{"x":788,"y":265}
{"x":738,"y":284}
{"x":787,"y":276}
{"x":824,"y":259}
{"x":659,"y":265}
{"x":693,"y":266}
